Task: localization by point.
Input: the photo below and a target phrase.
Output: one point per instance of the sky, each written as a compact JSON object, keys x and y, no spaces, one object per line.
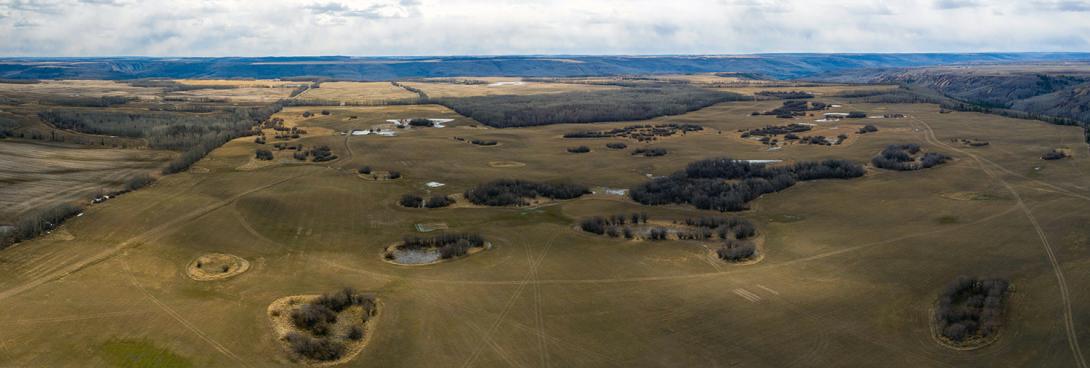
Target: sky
{"x":516,"y":27}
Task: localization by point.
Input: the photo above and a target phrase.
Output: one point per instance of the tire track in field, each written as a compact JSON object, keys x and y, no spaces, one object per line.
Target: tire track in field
{"x":678,"y":277}
{"x":533,"y":266}
{"x":178,"y":317}
{"x":152,"y":234}
{"x":1065,"y":297}
{"x":539,"y":319}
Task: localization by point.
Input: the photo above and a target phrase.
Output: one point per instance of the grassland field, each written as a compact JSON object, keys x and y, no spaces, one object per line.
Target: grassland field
{"x":850,"y":272}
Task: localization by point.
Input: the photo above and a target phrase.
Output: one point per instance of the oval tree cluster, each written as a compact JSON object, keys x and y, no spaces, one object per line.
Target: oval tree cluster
{"x":725,"y":184}
{"x":971,"y":309}
{"x":903,"y":157}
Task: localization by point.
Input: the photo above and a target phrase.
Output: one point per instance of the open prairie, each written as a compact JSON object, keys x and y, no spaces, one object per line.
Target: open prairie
{"x":849,"y":275}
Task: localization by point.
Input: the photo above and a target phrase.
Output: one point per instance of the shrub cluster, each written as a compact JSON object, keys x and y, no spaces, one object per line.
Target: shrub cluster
{"x":640,"y":133}
{"x":263,"y":154}
{"x":507,"y":192}
{"x":483,"y":142}
{"x":901,"y":157}
{"x":735,"y":250}
{"x":649,"y":152}
{"x":724,"y":184}
{"x":580,"y":149}
{"x":869,"y":128}
{"x":315,"y":321}
{"x":1054,"y":155}
{"x":322,"y":153}
{"x":616,"y":145}
{"x":971,"y":307}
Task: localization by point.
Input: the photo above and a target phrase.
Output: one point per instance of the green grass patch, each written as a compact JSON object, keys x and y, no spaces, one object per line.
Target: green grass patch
{"x":126,"y":353}
{"x":947,"y":220}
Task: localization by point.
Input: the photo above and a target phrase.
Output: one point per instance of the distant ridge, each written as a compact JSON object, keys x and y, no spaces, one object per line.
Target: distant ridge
{"x":780,"y":66}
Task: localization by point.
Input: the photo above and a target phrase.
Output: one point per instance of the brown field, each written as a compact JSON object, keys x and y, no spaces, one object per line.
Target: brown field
{"x":36,"y":175}
{"x":851,"y":268}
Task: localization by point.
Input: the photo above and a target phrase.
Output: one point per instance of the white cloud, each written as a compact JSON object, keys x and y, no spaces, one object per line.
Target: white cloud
{"x":458,"y":27}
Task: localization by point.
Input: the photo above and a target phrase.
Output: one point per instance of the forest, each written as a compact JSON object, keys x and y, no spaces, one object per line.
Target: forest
{"x":704,"y":184}
{"x":629,"y":104}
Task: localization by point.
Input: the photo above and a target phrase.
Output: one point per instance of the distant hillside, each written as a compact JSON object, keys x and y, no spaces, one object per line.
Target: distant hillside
{"x":1054,"y":89}
{"x":780,"y":66}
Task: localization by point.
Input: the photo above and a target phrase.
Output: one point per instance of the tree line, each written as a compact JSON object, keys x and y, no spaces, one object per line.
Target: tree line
{"x":37,"y":223}
{"x":448,"y":245}
{"x":514,"y":192}
{"x":704,"y":184}
{"x":628,"y":104}
{"x":435,"y":201}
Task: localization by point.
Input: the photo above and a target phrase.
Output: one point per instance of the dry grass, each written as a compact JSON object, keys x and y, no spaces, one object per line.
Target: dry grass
{"x":847,"y":281}
{"x":357,"y":92}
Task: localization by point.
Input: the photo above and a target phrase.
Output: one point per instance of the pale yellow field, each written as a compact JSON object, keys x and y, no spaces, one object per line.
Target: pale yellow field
{"x":500,"y":86}
{"x":356,"y":91}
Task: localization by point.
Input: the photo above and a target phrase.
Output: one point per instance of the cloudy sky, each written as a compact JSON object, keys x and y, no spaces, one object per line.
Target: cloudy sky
{"x":476,"y":27}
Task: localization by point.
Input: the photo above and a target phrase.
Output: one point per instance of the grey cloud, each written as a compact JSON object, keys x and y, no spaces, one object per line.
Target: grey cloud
{"x":402,"y":9}
{"x":1062,"y":5}
{"x":956,"y":4}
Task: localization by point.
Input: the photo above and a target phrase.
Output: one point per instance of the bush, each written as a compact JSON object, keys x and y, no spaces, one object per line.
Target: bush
{"x":313,"y":317}
{"x":616,"y":145}
{"x":355,"y":333}
{"x":366,"y":170}
{"x":580,"y":149}
{"x":322,"y":154}
{"x":1054,"y":155}
{"x":735,"y":251}
{"x":437,"y":201}
{"x":419,"y":122}
{"x":649,"y":152}
{"x":856,"y":115}
{"x":263,"y":154}
{"x":481,"y":142}
{"x":321,"y":349}
{"x":393,"y":175}
{"x":869,"y":128}
{"x":411,"y":201}
{"x":506,"y":192}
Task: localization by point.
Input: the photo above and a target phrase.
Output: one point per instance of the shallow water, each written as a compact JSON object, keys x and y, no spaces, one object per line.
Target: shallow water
{"x":414,"y":256}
